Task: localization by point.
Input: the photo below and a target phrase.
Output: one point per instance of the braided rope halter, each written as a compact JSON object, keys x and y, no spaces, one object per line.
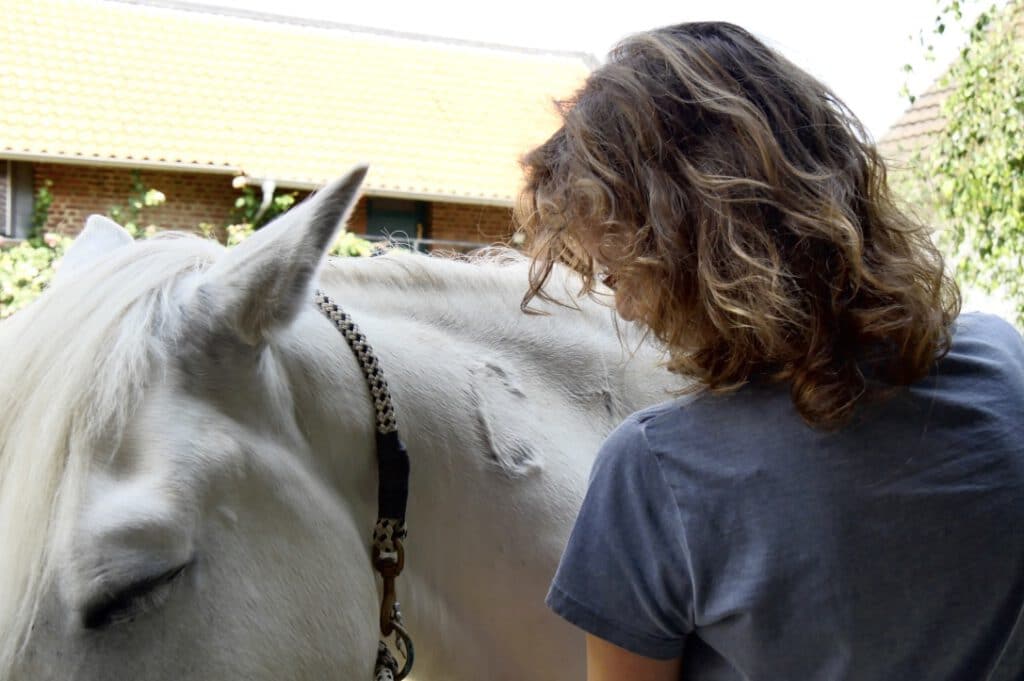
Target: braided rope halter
{"x":392,"y":493}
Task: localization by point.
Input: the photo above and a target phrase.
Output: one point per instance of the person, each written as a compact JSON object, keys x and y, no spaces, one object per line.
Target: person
{"x":844,"y":498}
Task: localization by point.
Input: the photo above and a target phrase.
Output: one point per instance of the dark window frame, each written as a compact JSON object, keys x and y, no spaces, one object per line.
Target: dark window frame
{"x":20,"y":199}
{"x":392,"y":219}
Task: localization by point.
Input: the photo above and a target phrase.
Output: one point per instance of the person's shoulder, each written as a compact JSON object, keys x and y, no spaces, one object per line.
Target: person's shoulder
{"x":706,"y":413}
{"x":631,"y":437}
{"x":664,"y":414}
{"x":695,"y":419}
{"x":987,"y":335}
{"x":629,"y":434}
{"x":985,"y":324}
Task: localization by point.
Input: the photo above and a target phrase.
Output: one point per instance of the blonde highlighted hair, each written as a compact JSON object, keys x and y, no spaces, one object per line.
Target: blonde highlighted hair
{"x":746,"y":208}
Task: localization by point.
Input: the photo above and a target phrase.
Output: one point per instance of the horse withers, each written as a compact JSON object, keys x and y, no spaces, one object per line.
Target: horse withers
{"x":187,"y":469}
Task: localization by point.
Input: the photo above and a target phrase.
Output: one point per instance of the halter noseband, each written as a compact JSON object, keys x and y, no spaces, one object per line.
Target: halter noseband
{"x":392,"y":495}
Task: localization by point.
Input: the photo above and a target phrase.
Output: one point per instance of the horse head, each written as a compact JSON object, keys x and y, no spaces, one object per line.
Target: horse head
{"x":163,"y":512}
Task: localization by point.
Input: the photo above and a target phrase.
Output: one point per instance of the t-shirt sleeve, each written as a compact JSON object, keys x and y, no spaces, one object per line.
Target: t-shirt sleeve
{"x":623,"y":576}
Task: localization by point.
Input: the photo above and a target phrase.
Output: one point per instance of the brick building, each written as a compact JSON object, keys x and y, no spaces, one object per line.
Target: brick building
{"x":192,"y":97}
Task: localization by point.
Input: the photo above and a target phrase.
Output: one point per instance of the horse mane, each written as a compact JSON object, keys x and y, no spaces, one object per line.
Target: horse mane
{"x":74,"y":365}
{"x":495,"y":272}
{"x":404,"y":271}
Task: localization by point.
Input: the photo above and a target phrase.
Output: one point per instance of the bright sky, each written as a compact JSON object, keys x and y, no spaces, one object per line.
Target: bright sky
{"x":858,"y":48}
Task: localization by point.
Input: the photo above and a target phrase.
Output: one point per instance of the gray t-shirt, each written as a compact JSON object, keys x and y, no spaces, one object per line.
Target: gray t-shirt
{"x":729,"y":532}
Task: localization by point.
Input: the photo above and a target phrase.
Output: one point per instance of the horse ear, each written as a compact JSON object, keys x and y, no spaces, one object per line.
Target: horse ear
{"x":99,"y":237}
{"x":262,"y":283}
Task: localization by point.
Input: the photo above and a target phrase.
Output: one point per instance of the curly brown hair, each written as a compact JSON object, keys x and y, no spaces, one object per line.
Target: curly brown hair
{"x":745,"y":211}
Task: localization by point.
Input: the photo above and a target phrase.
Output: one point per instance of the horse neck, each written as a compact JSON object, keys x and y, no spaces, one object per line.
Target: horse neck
{"x":472,"y":379}
{"x":421,"y":287}
{"x":478,"y":300}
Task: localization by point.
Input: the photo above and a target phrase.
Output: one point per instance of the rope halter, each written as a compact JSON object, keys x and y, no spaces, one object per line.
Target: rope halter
{"x":388,"y":552}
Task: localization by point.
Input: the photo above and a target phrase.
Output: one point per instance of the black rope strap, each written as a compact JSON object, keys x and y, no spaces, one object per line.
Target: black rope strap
{"x":392,"y":492}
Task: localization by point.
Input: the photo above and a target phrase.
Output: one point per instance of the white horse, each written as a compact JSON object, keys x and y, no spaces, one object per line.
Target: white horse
{"x":187,"y":469}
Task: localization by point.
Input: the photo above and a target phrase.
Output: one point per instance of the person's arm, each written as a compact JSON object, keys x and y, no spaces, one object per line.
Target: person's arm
{"x":608,"y":662}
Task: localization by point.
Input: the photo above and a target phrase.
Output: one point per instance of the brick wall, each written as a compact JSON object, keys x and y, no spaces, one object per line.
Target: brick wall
{"x":79,"y":191}
{"x":357,"y":221}
{"x":466,"y":222}
{"x":194,"y":198}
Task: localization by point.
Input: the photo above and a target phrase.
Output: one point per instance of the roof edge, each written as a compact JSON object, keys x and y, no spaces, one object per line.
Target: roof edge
{"x":102,"y":161}
{"x":441,"y":198}
{"x":201,"y":8}
{"x":301,"y":185}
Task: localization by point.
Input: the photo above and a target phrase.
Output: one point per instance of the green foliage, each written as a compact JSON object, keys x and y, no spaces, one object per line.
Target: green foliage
{"x":975,"y":167}
{"x":249,"y":215}
{"x":352,"y":246}
{"x":26,"y":269}
{"x":248,"y":206}
{"x":41,"y":207}
{"x":129,"y":214}
{"x":346,"y":245}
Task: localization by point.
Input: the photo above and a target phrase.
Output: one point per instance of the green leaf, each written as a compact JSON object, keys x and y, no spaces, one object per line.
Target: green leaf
{"x":971,"y":175}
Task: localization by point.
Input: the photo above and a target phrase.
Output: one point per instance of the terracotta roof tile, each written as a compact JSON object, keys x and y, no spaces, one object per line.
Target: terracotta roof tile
{"x":118,"y":82}
{"x":917,"y":126}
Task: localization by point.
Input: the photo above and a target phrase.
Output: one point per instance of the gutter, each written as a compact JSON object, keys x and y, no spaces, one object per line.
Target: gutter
{"x":180,"y":166}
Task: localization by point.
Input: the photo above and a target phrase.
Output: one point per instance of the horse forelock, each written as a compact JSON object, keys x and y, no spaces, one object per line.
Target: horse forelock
{"x":75,"y":364}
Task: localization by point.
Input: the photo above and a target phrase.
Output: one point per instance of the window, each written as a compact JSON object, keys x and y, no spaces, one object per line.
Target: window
{"x":16,"y":199}
{"x":398,"y":220}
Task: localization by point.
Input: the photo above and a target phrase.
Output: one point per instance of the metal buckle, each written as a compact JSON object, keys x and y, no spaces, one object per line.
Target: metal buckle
{"x":389,"y":566}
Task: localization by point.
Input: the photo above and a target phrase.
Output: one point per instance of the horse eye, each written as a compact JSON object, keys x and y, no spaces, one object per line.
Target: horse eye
{"x":124,"y":604}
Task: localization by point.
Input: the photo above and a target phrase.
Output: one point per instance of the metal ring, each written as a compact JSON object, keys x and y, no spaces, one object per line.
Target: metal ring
{"x":403,"y":642}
